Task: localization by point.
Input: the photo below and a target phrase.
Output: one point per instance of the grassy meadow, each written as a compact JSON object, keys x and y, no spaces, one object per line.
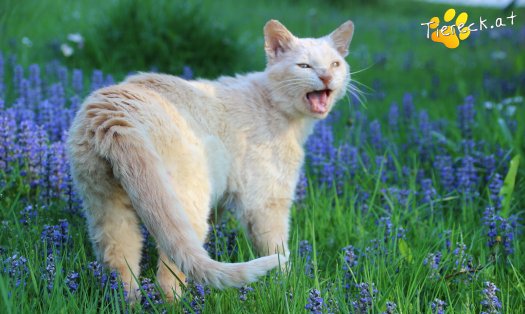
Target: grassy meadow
{"x":412,"y":198}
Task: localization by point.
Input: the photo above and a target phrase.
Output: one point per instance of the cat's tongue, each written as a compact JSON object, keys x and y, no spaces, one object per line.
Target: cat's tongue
{"x":318,"y":101}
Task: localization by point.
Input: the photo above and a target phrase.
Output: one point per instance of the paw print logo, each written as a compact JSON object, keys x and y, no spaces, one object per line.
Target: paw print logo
{"x":450,"y":35}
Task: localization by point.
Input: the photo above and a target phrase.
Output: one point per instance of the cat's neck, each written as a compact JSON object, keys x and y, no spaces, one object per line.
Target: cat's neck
{"x":255,"y":89}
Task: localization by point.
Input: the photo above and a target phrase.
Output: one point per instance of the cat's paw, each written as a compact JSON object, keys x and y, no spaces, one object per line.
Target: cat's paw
{"x":450,"y":35}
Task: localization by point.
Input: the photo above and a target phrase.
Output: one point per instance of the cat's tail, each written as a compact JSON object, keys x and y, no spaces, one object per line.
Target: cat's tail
{"x":142,"y":175}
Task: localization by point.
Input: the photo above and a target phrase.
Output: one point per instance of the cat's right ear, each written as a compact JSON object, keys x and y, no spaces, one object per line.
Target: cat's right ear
{"x":342,"y":37}
{"x":277,"y":39}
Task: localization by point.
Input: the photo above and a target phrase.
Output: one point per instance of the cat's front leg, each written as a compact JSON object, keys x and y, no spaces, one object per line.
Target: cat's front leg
{"x":268,"y":225}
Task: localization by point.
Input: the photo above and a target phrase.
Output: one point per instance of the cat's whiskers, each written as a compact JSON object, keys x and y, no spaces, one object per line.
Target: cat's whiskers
{"x":293,"y":82}
{"x":288,"y":86}
{"x":368,"y":88}
{"x":363,"y":69}
{"x":356,"y":92}
{"x":355,"y":88}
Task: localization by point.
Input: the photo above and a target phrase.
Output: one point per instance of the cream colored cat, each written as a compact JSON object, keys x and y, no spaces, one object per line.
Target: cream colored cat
{"x":164,"y":150}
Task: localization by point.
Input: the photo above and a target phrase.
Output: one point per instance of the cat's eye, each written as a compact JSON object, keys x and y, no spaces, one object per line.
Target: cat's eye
{"x":303,"y":65}
{"x":335,"y":64}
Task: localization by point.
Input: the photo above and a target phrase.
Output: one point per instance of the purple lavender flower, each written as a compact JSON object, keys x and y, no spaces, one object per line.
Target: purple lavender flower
{"x":507,"y":231}
{"x":57,"y":95}
{"x":24,"y":95}
{"x":401,"y":233}
{"x":469,"y":147}
{"x":243,"y":292}
{"x":302,"y":186}
{"x":187,"y":72}
{"x":387,"y":223}
{"x":327,"y":177}
{"x":97,"y":80}
{"x":381,"y":168}
{"x":401,"y":196}
{"x":393,"y":117}
{"x":56,"y":236}
{"x":8,"y":146}
{"x":305,"y":251}
{"x":151,"y":294}
{"x":33,"y":147}
{"x":109,"y":80}
{"x":49,"y":272}
{"x":62,"y":75}
{"x":110,"y":279}
{"x":198,"y":294}
{"x":349,"y":263}
{"x":490,"y":221}
{"x":467,"y":176}
{"x":424,"y":141}
{"x":16,"y":267}
{"x":96,"y":269}
{"x":466,"y":116}
{"x":443,"y":164}
{"x":349,"y":158}
{"x":408,"y":107}
{"x":495,"y":185}
{"x":320,"y":147}
{"x":345,"y":163}
{"x":489,"y":164}
{"x":432,"y":261}
{"x":376,"y":138}
{"x":438,"y":306}
{"x":77,"y":81}
{"x":428,"y":191}
{"x":391,"y":308}
{"x":221,"y":241}
{"x":315,"y":302}
{"x":447,"y":234}
{"x":27,"y":215}
{"x":18,"y":77}
{"x":365,"y":300}
{"x":324,"y":154}
{"x":350,"y":258}
{"x":35,"y":83}
{"x":58,"y":170}
{"x":490,"y":303}
{"x":72,"y":281}
{"x":463,"y":261}
{"x":74,"y":104}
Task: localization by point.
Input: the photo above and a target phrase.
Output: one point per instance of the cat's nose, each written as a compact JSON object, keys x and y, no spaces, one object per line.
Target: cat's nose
{"x":325,"y":78}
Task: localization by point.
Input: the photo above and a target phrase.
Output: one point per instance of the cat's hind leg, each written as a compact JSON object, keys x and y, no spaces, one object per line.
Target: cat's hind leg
{"x":113,"y":225}
{"x":116,"y":238}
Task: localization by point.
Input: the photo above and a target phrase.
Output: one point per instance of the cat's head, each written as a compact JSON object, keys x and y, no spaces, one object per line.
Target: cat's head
{"x":307,"y":75}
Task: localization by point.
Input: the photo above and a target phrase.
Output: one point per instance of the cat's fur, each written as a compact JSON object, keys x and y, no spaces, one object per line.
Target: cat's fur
{"x":164,"y":150}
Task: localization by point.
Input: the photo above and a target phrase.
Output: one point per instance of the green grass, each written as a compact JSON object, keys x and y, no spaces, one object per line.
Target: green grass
{"x":386,"y":39}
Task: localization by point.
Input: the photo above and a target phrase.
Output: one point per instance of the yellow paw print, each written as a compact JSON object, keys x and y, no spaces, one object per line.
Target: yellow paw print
{"x":448,"y":35}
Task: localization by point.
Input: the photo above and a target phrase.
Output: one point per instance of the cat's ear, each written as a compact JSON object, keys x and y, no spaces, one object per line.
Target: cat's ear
{"x":277,"y":39}
{"x":342,"y":37}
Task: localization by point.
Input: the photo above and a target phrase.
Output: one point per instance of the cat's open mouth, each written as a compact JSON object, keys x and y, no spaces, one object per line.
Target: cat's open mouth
{"x":318,"y":100}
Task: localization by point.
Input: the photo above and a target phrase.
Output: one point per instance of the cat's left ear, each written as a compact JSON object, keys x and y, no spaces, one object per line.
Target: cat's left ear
{"x":342,"y":37}
{"x":277,"y":39}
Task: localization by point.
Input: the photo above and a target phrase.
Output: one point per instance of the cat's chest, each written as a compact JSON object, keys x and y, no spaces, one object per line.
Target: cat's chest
{"x":274,"y":162}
